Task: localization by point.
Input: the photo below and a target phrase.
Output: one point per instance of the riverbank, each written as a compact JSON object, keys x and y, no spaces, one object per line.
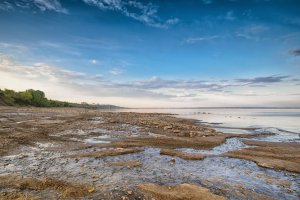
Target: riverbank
{"x":117,"y":156}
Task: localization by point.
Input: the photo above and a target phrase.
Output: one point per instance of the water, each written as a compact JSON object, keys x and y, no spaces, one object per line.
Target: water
{"x":284,"y":124}
{"x":231,"y":144}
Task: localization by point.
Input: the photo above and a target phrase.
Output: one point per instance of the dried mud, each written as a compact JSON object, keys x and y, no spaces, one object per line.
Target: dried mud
{"x":183,"y":155}
{"x":178,"y":192}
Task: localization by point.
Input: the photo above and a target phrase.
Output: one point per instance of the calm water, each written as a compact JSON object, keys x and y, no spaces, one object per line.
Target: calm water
{"x":283,"y":123}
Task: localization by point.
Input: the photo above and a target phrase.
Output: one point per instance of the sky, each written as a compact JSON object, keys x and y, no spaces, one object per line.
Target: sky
{"x":156,"y":53}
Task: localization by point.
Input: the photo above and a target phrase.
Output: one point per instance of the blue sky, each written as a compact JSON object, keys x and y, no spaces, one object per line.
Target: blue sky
{"x":154,"y":53}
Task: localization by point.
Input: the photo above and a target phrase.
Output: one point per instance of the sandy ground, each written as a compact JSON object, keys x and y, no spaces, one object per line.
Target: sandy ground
{"x":87,"y":154}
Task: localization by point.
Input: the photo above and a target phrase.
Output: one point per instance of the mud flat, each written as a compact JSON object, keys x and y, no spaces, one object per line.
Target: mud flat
{"x":280,"y":156}
{"x":87,"y":154}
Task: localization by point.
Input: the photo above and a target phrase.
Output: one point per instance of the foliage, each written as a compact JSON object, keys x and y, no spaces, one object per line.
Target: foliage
{"x":32,"y":98}
{"x":37,"y":98}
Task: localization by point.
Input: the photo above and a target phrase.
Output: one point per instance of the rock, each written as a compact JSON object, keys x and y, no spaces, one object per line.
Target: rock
{"x":173,"y":160}
{"x":91,"y":189}
{"x":290,"y":191}
{"x":125,"y":198}
{"x":168,"y":127}
{"x":129,"y":192}
{"x":192,"y":134}
{"x":176,"y":131}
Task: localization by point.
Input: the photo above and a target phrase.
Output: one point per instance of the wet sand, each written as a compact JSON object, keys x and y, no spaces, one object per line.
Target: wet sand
{"x":136,"y":156}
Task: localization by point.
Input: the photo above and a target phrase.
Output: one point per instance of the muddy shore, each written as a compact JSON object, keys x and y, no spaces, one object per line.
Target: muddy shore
{"x":87,"y":154}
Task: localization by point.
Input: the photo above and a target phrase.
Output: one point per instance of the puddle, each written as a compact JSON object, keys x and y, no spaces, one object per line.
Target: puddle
{"x":69,"y":132}
{"x":268,"y":134}
{"x":231,"y":144}
{"x":96,"y":140}
{"x":277,"y":135}
{"x":45,"y":145}
{"x":156,"y":169}
{"x":97,"y":118}
{"x":234,"y":130}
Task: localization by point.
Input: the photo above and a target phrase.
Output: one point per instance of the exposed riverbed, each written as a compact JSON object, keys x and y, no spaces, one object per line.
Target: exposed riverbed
{"x":69,"y":143}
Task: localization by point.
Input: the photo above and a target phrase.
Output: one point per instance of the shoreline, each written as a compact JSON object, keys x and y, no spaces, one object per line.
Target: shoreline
{"x":82,"y":136}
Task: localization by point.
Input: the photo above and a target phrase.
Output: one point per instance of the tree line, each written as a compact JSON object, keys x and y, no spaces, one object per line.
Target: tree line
{"x":35,"y":98}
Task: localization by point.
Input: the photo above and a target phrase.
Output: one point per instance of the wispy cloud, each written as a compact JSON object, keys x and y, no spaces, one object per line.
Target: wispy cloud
{"x":50,"y":44}
{"x":19,"y":48}
{"x":145,"y":13}
{"x":6,"y":6}
{"x":229,"y":16}
{"x":41,"y":71}
{"x":194,"y":40}
{"x":252,"y":32}
{"x":72,"y":85}
{"x":207,"y":1}
{"x":99,"y":43}
{"x":218,"y":85}
{"x":294,"y":52}
{"x":67,"y":84}
{"x":52,"y":5}
{"x":93,"y":61}
{"x":42,"y":5}
{"x":265,"y":79}
{"x":116,"y":71}
{"x":291,"y":38}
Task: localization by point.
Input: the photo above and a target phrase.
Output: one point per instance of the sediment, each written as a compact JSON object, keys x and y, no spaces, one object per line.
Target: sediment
{"x":274,"y":155}
{"x":75,"y":153}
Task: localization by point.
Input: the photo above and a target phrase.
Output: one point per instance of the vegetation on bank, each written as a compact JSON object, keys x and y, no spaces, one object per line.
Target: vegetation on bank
{"x":37,"y":98}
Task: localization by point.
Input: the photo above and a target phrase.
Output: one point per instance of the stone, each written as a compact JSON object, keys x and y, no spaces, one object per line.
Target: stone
{"x":168,"y":127}
{"x":192,"y":134}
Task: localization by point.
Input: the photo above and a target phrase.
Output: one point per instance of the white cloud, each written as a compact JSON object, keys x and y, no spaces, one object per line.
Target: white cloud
{"x":62,"y":84}
{"x":42,"y":5}
{"x":116,"y":71}
{"x":146,"y":13}
{"x":19,"y":48}
{"x":6,"y":6}
{"x":172,"y":21}
{"x":252,"y":32}
{"x":229,"y":16}
{"x":93,"y":61}
{"x":194,"y":40}
{"x":207,"y":1}
{"x":52,"y":5}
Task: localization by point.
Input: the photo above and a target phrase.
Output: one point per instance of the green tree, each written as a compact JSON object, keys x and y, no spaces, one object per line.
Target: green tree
{"x":38,"y":98}
{"x":24,"y":98}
